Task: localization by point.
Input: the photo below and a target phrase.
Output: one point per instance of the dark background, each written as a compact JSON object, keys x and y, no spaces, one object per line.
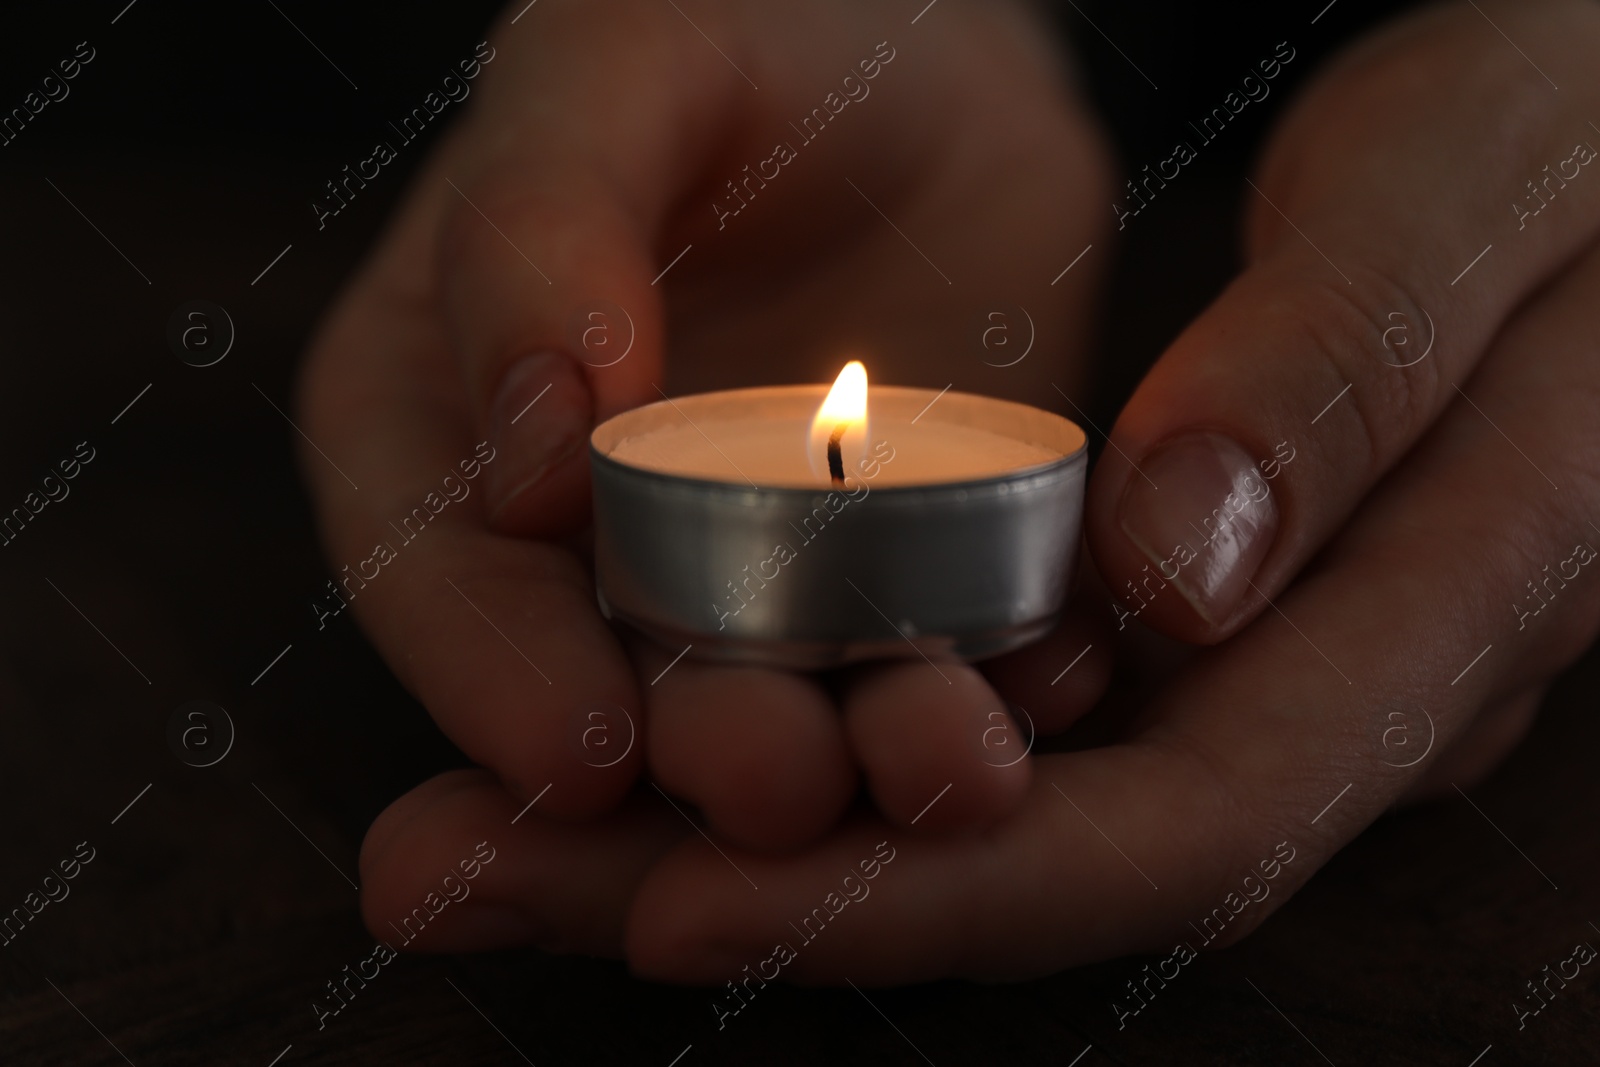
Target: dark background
{"x":207,"y":923}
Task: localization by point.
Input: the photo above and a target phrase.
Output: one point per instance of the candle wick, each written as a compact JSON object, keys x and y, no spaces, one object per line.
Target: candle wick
{"x":836,"y":455}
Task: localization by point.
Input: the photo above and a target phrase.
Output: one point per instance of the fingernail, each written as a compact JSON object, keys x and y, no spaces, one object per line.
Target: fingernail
{"x":1204,"y":516}
{"x":483,"y":927}
{"x":540,"y":418}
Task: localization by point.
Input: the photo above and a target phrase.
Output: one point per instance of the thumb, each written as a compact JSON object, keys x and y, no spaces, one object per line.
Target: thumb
{"x":548,"y":254}
{"x":1265,"y":425}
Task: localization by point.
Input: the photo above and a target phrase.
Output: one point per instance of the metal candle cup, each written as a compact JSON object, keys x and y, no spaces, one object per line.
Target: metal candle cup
{"x":810,"y":576}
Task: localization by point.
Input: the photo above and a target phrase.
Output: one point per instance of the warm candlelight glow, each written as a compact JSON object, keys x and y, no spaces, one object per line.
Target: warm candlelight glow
{"x":838,"y":438}
{"x":847,"y":400}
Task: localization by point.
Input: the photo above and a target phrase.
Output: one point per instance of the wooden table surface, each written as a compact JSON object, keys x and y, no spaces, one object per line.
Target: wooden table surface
{"x":218,"y":901}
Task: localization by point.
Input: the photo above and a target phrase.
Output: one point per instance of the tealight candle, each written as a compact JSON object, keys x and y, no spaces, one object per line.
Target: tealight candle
{"x":808,"y":527}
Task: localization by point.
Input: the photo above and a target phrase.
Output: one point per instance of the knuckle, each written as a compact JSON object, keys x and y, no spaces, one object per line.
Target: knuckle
{"x":462,"y":231}
{"x":1373,"y":333}
{"x":497,"y":214}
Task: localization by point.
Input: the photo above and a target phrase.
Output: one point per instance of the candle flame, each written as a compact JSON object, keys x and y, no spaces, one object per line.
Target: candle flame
{"x":839,"y":430}
{"x":846,"y":403}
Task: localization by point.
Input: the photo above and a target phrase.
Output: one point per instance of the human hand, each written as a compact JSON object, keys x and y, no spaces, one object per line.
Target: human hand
{"x":1276,"y":746}
{"x":1373,"y":336}
{"x":597,"y":152}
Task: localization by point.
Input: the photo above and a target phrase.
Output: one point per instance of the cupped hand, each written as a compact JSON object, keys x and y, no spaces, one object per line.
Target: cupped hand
{"x":1416,"y":569}
{"x":588,"y":239}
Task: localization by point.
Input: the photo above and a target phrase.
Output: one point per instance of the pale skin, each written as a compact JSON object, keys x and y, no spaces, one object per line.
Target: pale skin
{"x":1407,"y":525}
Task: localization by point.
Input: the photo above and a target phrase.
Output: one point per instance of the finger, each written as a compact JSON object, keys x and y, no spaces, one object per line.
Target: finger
{"x":939,"y":748}
{"x":1262,"y":759}
{"x":1474,"y":755}
{"x":450,"y":867}
{"x":880,"y":906}
{"x":550,"y":250}
{"x":1267,"y":421}
{"x":499,"y":639}
{"x":760,"y":752}
{"x":1051,"y":683}
{"x":947,"y":749}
